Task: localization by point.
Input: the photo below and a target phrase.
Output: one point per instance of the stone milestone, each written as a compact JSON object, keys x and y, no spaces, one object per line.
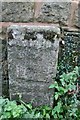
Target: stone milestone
{"x":32,"y":61}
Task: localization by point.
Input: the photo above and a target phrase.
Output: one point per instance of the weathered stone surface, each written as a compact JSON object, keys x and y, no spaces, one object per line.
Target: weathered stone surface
{"x":24,"y":12}
{"x":17,"y":11}
{"x":74,"y":19}
{"x":32,"y":58}
{"x":0,"y":63}
{"x":77,"y":17}
{"x":3,"y":63}
{"x":0,"y":68}
{"x":52,"y":12}
{"x":59,"y":12}
{"x":55,"y":12}
{"x":0,"y":11}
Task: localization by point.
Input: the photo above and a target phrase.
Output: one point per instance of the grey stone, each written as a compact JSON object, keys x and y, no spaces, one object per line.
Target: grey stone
{"x":0,"y":67}
{"x":17,"y":11}
{"x":32,"y":61}
{"x":55,"y":12}
{"x":3,"y":63}
{"x":24,"y":12}
{"x":77,"y":17}
{"x":0,"y":11}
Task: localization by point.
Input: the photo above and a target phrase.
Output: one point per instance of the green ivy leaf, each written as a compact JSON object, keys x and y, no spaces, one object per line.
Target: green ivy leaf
{"x":29,"y":106}
{"x":47,"y":116}
{"x":56,"y":96}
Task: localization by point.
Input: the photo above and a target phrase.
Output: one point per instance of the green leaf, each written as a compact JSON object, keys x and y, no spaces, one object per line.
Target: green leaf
{"x":8,"y":108}
{"x":53,"y":112}
{"x":56,"y":96}
{"x":47,"y":116}
{"x":60,"y":116}
{"x":54,"y":85}
{"x":37,"y":115}
{"x":44,"y":112}
{"x":15,"y":114}
{"x":29,"y":106}
{"x":3,"y":101}
{"x":62,"y":82}
{"x":55,"y":116}
{"x":47,"y":108}
{"x":7,"y":115}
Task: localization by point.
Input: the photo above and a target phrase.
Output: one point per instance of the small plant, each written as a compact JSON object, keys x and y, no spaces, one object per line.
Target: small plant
{"x":65,"y":103}
{"x":10,"y":109}
{"x":65,"y":96}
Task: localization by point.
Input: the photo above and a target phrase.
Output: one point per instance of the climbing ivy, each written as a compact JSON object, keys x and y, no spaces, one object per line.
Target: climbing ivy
{"x":69,"y":55}
{"x":65,"y":106}
{"x":68,"y":59}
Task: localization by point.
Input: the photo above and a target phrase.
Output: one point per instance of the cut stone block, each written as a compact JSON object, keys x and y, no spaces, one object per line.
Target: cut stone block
{"x":17,"y":11}
{"x":0,"y":68}
{"x":32,"y":62}
{"x":4,"y":86}
{"x":0,"y":62}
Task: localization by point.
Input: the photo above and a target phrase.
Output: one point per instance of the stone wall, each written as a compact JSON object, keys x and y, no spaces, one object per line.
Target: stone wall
{"x":17,"y":12}
{"x":32,"y":54}
{"x":53,"y":12}
{"x":3,"y":63}
{"x":0,"y":62}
